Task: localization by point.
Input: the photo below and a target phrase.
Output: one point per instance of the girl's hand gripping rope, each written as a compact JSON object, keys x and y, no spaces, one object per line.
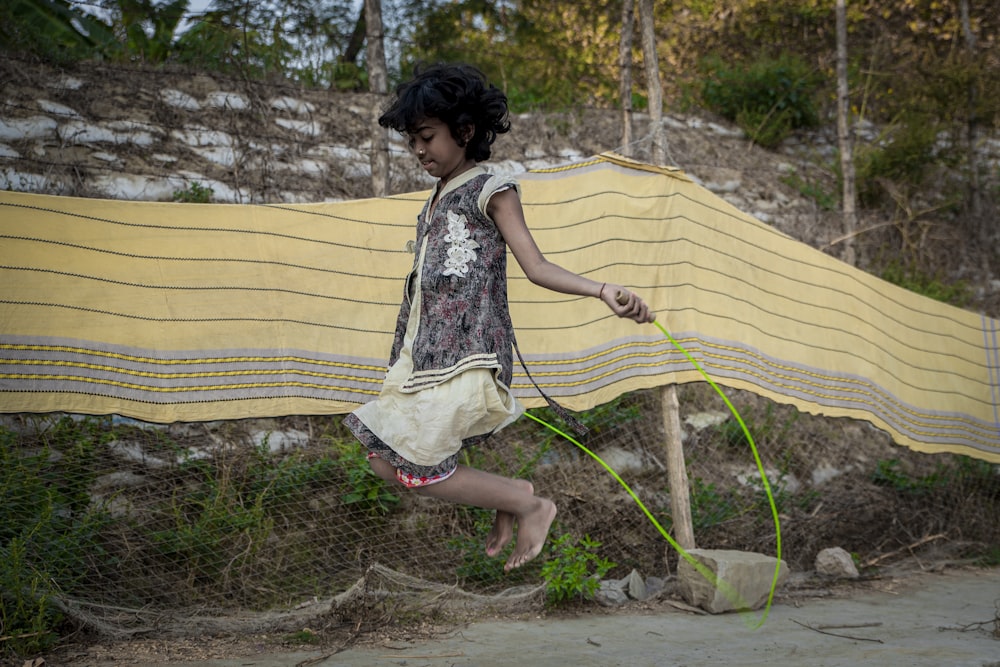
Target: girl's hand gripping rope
{"x":626,"y":304}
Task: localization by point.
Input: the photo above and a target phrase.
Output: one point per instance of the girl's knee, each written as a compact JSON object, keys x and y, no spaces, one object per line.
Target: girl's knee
{"x":383,"y":469}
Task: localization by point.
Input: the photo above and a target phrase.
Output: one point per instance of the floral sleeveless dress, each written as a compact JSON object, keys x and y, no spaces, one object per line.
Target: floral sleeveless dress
{"x":450,"y":397}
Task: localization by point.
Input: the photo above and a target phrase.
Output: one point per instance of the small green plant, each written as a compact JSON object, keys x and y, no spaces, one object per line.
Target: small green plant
{"x":574,"y":570}
{"x":286,"y":479}
{"x":621,"y":410}
{"x":963,"y":469}
{"x":888,"y":473}
{"x":303,"y":636}
{"x":195,"y":193}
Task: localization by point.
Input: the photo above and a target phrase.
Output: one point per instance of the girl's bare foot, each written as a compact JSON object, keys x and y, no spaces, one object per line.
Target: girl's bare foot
{"x":532,"y":529}
{"x":503,"y":525}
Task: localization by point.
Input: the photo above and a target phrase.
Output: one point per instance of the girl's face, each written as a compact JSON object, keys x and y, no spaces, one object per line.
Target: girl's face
{"x":438,"y":151}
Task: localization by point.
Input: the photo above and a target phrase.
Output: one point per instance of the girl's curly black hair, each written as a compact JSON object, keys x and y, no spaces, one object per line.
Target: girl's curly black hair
{"x":459,"y":96}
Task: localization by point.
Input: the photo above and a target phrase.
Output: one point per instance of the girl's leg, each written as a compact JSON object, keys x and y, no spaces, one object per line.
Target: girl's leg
{"x":502,"y":531}
{"x":469,"y":486}
{"x":534,"y":515}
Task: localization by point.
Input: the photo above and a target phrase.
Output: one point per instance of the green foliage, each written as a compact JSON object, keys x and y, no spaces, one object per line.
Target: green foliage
{"x":156,"y":45}
{"x":195,"y":193}
{"x":303,"y":636}
{"x":768,"y":99}
{"x":48,"y":531}
{"x":711,"y":506}
{"x":903,"y":157}
{"x":990,"y":558}
{"x":964,"y":470}
{"x":574,"y":569}
{"x":365,"y":490}
{"x":913,"y":278}
{"x":53,"y":29}
{"x":825,"y":200}
{"x":600,"y":419}
{"x":477,"y":568}
{"x":217,"y":521}
{"x":214,"y":524}
{"x":336,"y":75}
{"x":543,"y":55}
{"x":772,"y":426}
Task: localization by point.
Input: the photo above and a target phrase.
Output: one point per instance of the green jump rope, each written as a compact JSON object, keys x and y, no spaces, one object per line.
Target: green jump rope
{"x":731,"y":593}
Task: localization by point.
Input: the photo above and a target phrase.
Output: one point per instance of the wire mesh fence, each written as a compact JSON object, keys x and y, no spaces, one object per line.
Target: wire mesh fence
{"x":123,"y":526}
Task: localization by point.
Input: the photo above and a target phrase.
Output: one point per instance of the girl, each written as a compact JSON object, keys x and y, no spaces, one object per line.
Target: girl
{"x":450,"y":367}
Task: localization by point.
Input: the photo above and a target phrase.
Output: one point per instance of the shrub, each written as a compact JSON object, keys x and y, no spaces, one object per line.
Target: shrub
{"x":768,"y":98}
{"x":195,"y":193}
{"x":933,"y":286}
{"x":48,"y":532}
{"x":902,"y":156}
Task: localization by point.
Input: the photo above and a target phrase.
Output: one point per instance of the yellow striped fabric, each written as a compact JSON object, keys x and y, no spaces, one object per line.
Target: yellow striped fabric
{"x":187,"y":312}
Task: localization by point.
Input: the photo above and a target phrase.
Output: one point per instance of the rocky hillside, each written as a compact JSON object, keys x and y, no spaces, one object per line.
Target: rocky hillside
{"x":99,"y":130}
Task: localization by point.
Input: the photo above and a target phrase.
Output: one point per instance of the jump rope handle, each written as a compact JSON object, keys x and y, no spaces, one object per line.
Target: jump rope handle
{"x":621,"y":297}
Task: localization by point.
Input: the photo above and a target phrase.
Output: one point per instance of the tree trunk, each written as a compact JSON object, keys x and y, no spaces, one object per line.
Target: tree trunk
{"x":655,"y":90}
{"x":844,"y":136}
{"x":625,"y":73}
{"x":680,"y":495}
{"x":378,"y":83}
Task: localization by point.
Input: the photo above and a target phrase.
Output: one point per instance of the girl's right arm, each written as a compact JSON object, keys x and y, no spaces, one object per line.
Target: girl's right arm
{"x":505,"y":210}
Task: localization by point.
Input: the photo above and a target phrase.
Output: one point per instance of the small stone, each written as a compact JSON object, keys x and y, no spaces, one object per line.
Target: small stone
{"x":636,"y":586}
{"x":836,"y":562}
{"x":610,"y":594}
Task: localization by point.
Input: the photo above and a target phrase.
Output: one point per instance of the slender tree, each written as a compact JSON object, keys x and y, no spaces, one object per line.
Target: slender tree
{"x":378,"y":82}
{"x":625,"y":73}
{"x":651,"y":60}
{"x":844,"y":137}
{"x":972,"y":118}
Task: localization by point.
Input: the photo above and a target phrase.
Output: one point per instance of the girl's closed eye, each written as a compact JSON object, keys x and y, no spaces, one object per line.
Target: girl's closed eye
{"x":412,"y":142}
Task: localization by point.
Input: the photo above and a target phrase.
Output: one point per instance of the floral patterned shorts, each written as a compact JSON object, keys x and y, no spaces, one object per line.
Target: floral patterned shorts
{"x":408,"y":473}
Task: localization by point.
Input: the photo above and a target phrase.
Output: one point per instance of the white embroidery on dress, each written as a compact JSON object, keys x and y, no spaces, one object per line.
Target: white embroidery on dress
{"x":463,"y":248}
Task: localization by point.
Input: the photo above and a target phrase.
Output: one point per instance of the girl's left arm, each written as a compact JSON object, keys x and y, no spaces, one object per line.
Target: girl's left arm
{"x":505,"y":209}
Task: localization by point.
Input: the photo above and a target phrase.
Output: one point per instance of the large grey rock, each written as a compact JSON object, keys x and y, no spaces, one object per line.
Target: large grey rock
{"x":744,"y":579}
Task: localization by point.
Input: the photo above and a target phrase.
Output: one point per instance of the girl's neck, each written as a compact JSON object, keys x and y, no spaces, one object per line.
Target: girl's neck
{"x":460,"y":169}
{"x":445,"y":180}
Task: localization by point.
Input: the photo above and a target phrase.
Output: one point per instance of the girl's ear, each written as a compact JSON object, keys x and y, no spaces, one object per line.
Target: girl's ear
{"x":465,"y":134}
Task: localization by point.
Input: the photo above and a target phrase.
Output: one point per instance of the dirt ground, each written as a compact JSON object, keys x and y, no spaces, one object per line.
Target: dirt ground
{"x":947,"y":618}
